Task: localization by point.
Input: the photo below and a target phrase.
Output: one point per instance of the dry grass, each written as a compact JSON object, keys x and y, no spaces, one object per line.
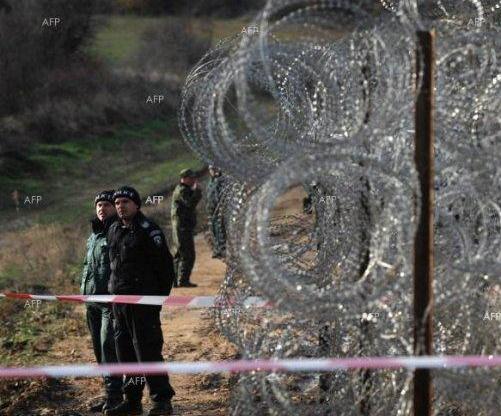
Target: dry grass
{"x":41,"y":258}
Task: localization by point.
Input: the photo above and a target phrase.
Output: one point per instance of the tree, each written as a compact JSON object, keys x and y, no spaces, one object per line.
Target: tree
{"x":29,"y":51}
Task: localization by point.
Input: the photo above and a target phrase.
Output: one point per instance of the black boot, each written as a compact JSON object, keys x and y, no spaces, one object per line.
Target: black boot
{"x":186,"y":283}
{"x":97,"y":406}
{"x":126,"y":408}
{"x":162,"y":408}
{"x":111,"y":402}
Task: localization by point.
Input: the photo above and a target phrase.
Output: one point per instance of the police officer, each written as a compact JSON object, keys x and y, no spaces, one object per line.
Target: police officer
{"x":141,"y":264}
{"x":185,"y":199}
{"x":215,"y":190}
{"x":95,"y":278}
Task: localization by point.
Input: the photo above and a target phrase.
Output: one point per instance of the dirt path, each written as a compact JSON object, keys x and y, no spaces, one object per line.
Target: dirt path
{"x":189,"y":336}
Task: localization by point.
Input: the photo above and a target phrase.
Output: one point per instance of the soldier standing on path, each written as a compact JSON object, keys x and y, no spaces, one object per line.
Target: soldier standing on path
{"x":185,"y":199}
{"x":215,"y":190}
{"x":95,"y":278}
{"x":141,"y":264}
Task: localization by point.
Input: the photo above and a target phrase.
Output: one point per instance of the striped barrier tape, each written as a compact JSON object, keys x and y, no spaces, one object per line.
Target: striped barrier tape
{"x":273,"y":365}
{"x":173,"y":301}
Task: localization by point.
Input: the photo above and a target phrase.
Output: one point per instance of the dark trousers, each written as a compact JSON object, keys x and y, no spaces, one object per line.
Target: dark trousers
{"x":184,"y":257}
{"x":100,"y":323}
{"x":139,"y":338}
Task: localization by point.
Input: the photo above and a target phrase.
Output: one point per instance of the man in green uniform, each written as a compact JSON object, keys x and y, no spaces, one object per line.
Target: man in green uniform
{"x":215,"y":190}
{"x":185,"y":199}
{"x":95,"y":278}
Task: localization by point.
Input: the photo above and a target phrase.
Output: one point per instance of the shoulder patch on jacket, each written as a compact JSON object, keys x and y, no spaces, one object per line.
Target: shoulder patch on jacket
{"x":158,"y":240}
{"x":145,"y":224}
{"x":155,"y":232}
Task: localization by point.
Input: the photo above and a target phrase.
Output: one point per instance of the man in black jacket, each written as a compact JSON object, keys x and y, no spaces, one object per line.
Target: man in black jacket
{"x":141,"y":264}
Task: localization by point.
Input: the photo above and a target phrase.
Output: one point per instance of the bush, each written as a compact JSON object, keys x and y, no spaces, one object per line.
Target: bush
{"x":30,"y":51}
{"x":220,"y":8}
{"x":81,"y":101}
{"x":103,"y":101}
{"x":172,"y":47}
{"x":143,"y":7}
{"x":224,"y":8}
{"x":41,"y":257}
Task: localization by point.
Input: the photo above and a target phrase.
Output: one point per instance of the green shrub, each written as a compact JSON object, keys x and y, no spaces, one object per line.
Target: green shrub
{"x":220,"y":8}
{"x":30,"y":50}
{"x":172,"y":47}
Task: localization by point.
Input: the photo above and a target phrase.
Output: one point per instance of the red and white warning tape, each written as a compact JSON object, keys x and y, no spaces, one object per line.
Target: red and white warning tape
{"x":240,"y":366}
{"x":179,"y":301}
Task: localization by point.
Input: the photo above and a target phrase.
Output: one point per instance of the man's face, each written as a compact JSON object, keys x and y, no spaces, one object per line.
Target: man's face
{"x":126,"y":208}
{"x":188,"y":180}
{"x":104,"y":209}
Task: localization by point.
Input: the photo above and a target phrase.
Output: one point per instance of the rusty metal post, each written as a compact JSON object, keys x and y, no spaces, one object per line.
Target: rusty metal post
{"x":423,"y":244}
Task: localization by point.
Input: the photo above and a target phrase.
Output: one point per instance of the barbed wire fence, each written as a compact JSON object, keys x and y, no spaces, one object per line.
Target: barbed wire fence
{"x":321,"y":97}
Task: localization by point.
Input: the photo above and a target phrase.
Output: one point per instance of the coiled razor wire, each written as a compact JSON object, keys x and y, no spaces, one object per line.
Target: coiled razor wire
{"x":318,"y":105}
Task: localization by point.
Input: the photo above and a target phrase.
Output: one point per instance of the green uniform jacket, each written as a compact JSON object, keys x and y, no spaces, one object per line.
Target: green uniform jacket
{"x":214,"y":193}
{"x":96,"y":271}
{"x":184,"y":207}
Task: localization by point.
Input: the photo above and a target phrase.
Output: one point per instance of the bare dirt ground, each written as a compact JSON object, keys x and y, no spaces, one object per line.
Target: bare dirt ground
{"x":189,"y":335}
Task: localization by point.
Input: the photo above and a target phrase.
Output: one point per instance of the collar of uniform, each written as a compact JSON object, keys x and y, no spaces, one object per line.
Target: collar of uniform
{"x":136,"y":221}
{"x":99,"y":226}
{"x":96,"y":225}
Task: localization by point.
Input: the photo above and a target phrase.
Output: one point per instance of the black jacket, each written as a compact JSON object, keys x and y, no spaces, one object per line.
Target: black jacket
{"x":141,"y":263}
